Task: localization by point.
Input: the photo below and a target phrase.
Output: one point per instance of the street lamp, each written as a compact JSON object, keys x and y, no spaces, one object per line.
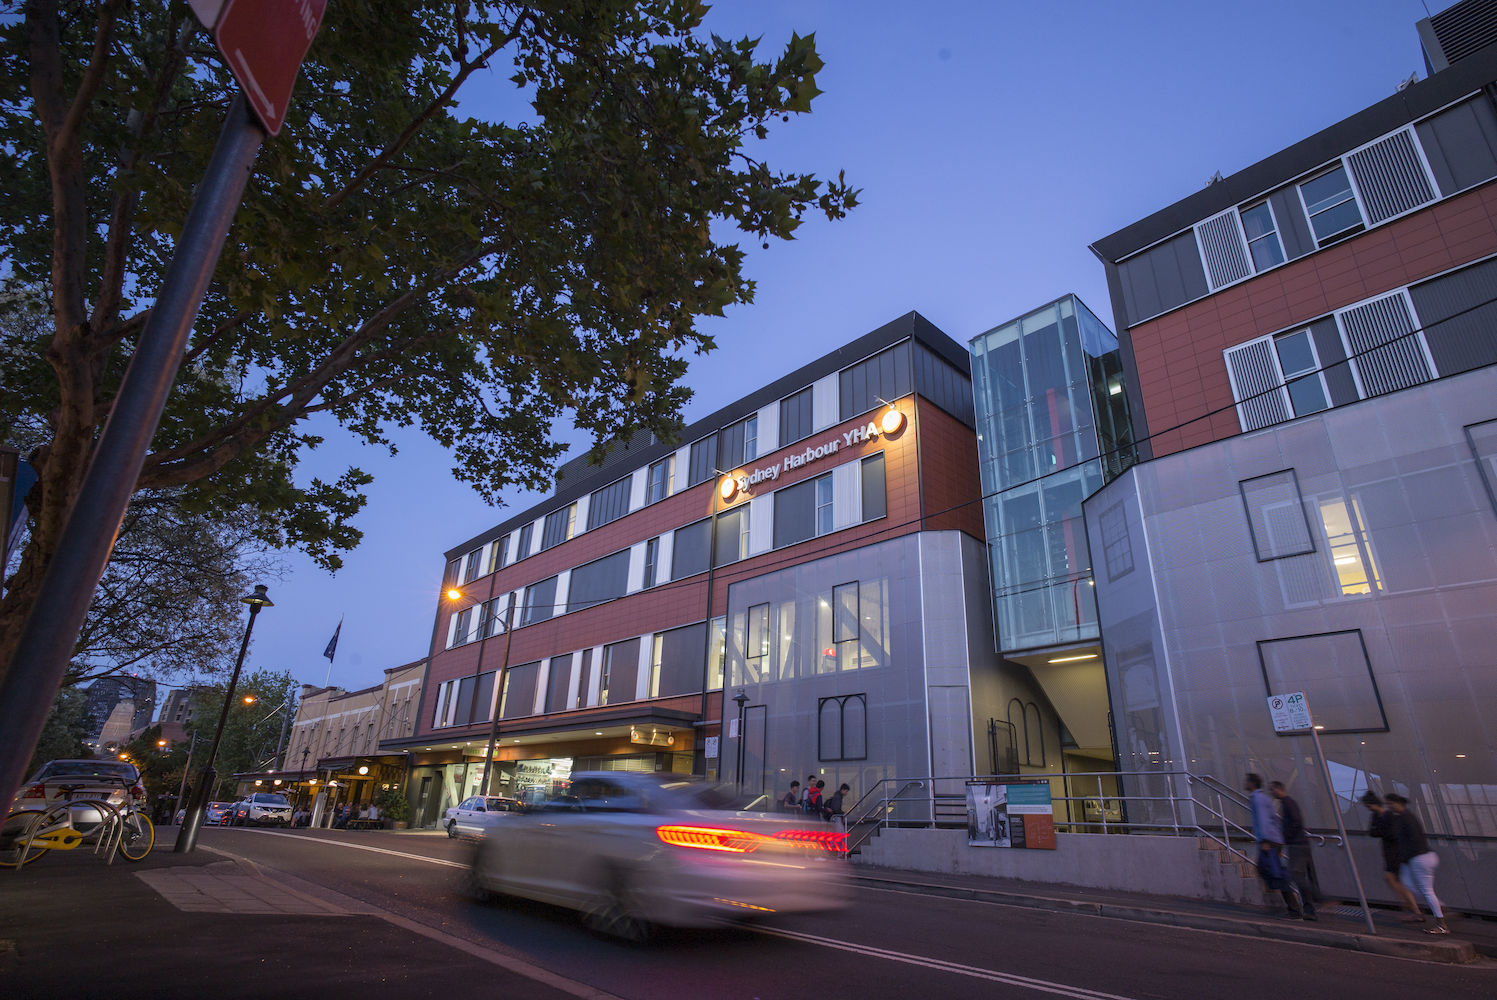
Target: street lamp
{"x":741,"y":700}
{"x":192,"y":822}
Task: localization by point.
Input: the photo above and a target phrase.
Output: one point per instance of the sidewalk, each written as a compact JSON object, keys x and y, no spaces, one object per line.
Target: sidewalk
{"x":201,"y":925}
{"x":1340,"y":926}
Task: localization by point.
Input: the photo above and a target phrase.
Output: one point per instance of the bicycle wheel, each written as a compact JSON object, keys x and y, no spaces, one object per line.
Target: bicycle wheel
{"x":15,"y":838}
{"x":137,"y":835}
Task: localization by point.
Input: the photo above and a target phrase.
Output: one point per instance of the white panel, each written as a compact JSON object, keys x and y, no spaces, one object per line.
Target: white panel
{"x":575,"y":680}
{"x":579,"y":523}
{"x":761,"y":524}
{"x":538,"y":527}
{"x":542,"y":682}
{"x":642,"y":678}
{"x":484,"y":555}
{"x":636,"y":568}
{"x":511,"y":542}
{"x":595,"y":682}
{"x":563,"y":583}
{"x":474,"y":621}
{"x":769,"y":428}
{"x":825,"y":406}
{"x":847,"y":495}
{"x":452,"y":630}
{"x":680,"y":470}
{"x":637,"y":483}
{"x":667,"y":550}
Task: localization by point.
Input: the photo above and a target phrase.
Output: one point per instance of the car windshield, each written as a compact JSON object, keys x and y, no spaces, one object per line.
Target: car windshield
{"x":89,"y":768}
{"x":270,"y":799}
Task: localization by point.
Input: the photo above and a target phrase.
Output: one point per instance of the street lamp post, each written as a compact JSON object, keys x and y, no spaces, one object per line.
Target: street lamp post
{"x":488,"y":757}
{"x":192,"y":822}
{"x":186,"y":769}
{"x":741,"y":700}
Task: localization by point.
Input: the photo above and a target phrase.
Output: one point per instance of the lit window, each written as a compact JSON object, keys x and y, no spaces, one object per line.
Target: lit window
{"x":1351,"y":554}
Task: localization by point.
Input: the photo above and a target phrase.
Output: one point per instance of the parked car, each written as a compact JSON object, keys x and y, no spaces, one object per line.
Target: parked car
{"x":261,"y":809}
{"x":217,"y":813}
{"x":81,"y":779}
{"x":471,"y":817}
{"x":634,"y":850}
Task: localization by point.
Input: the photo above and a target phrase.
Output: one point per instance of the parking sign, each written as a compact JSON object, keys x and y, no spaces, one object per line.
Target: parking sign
{"x":1290,"y":712}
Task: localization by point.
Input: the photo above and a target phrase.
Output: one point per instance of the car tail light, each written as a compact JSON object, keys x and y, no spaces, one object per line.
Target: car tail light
{"x":827,"y":840}
{"x":710,"y":838}
{"x":36,"y":791}
{"x":137,"y":791}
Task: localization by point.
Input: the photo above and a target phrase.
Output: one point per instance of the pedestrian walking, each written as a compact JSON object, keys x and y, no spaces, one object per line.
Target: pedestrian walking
{"x":833,"y":809}
{"x":1380,"y":827}
{"x":1269,"y":836}
{"x":812,"y":801}
{"x":1297,"y":847}
{"x":1417,"y":863}
{"x":790,"y":802}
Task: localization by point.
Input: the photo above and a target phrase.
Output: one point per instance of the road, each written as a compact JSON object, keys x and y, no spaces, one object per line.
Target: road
{"x":888,"y":944}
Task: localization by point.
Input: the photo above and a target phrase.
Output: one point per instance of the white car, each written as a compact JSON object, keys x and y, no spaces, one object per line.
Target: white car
{"x":471,"y":817}
{"x":634,"y":850}
{"x":113,"y":780}
{"x":261,"y":809}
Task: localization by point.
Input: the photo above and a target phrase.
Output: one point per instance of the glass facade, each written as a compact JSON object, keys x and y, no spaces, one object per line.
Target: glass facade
{"x":1349,"y":555}
{"x":1052,"y":427}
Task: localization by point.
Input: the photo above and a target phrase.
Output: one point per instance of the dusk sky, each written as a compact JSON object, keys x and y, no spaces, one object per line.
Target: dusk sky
{"x":993,"y":141}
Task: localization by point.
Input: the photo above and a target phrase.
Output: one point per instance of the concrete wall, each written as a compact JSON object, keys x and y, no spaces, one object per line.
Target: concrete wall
{"x":1166,"y":866}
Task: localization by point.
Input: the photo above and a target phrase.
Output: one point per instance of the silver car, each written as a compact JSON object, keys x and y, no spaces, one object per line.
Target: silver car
{"x":472,"y":816}
{"x":631,"y":851}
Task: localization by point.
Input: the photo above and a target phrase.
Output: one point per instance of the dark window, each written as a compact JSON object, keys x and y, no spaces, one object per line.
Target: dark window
{"x":464,"y":626}
{"x":1117,"y":546}
{"x":845,"y":625}
{"x":678,"y":661}
{"x":795,"y":417}
{"x":756,"y":643}
{"x":474,"y":564}
{"x":730,"y":446}
{"x":464,"y":713}
{"x":884,"y":376}
{"x":875,"y":501}
{"x":1331,"y":206}
{"x":527,"y":532}
{"x":658,"y":481}
{"x":519,"y":690}
{"x":652,"y":562}
{"x":540,"y":602}
{"x":795,"y":513}
{"x":598,"y":581}
{"x":483,"y":700}
{"x":703,"y":460}
{"x":608,"y":504}
{"x":842,"y":727}
{"x":689,"y":551}
{"x":496,"y":557}
{"x":732,"y":536}
{"x":454,"y":572}
{"x":558,"y":683}
{"x":558,"y":527}
{"x":585,"y":680}
{"x":620,"y":672}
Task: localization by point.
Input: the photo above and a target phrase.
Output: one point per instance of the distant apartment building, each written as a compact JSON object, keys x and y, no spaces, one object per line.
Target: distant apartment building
{"x":105,"y":694}
{"x":1310,"y":357}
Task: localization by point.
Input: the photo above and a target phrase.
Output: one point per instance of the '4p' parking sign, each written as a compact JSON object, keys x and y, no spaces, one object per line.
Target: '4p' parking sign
{"x":1291,"y":712}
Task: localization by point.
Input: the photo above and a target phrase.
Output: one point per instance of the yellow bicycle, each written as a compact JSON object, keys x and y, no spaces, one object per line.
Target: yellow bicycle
{"x":27,"y":834}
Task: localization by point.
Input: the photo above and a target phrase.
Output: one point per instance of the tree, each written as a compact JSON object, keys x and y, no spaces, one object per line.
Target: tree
{"x":65,"y":730}
{"x":252,"y":729}
{"x":396,"y":260}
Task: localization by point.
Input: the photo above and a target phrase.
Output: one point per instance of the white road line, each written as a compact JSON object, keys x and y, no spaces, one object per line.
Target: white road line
{"x":972,"y":971}
{"x":363,"y":847}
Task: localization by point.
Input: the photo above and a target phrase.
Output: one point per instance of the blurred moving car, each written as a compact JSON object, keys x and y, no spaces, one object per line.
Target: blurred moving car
{"x":214,"y":814}
{"x":261,"y":809}
{"x":634,"y":850}
{"x":471,"y":817}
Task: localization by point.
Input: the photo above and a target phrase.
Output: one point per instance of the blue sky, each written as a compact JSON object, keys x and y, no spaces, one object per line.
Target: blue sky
{"x":993,"y":142}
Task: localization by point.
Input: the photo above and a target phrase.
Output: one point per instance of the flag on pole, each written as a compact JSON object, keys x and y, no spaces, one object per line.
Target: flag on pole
{"x":332,"y":644}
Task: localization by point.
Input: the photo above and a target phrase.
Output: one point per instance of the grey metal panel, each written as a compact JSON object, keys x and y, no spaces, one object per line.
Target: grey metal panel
{"x":1259,"y":387}
{"x":1167,"y":276}
{"x":1459,"y":315}
{"x":1461,"y":145}
{"x":1386,"y":351}
{"x":1390,"y":177}
{"x":1328,"y":347}
{"x":1294,"y":230}
{"x":1192,"y":274}
{"x":1140,"y":290}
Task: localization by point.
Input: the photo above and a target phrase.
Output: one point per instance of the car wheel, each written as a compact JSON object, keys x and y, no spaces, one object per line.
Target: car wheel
{"x":451,"y":828}
{"x":618,"y":914}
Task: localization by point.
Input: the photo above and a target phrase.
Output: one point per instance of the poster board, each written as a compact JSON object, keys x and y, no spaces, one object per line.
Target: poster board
{"x":1016,"y":814}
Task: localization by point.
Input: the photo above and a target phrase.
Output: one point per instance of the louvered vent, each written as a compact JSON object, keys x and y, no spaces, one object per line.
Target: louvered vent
{"x":1464,"y":28}
{"x":1387,"y":354}
{"x":1223,"y":249}
{"x":1256,"y":383}
{"x":1390,"y":177}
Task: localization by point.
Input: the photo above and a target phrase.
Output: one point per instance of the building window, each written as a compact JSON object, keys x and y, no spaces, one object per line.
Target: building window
{"x":559,"y":526}
{"x":795,"y":417}
{"x":756,"y":643}
{"x":454,"y":573}
{"x":558,"y":683}
{"x":1331,"y":206}
{"x":732,"y":536}
{"x":496,"y":557}
{"x":658,"y":481}
{"x":1352,"y":563}
{"x":1301,"y":368}
{"x":652,"y":562}
{"x":1262,"y":236}
{"x":824,"y":492}
{"x":540,"y":602}
{"x":845,"y":630}
{"x":527,"y":533}
{"x":464,"y":625}
{"x":717,"y":655}
{"x":842,"y":727}
{"x":875,"y":498}
{"x":598,"y":581}
{"x":751,"y":438}
{"x":473,"y":564}
{"x":703,"y":460}
{"x":1276,"y":515}
{"x":608,"y":504}
{"x":676,"y":660}
{"x":690,"y":549}
{"x":585,"y":679}
{"x":1117,"y":545}
{"x":620,"y":672}
{"x":1482,"y":439}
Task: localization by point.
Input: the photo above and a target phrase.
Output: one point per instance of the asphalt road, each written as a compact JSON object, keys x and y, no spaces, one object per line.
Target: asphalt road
{"x":887,"y":944}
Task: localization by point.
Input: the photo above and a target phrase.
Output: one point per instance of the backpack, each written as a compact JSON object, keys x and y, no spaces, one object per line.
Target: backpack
{"x":812,"y":802}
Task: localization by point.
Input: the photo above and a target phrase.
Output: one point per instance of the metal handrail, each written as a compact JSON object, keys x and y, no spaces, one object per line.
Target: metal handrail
{"x":867,"y":821}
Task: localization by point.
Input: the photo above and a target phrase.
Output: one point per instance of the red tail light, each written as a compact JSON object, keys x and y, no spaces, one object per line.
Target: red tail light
{"x":36,"y":791}
{"x":827,"y":840}
{"x":138,"y":791}
{"x":710,"y":838}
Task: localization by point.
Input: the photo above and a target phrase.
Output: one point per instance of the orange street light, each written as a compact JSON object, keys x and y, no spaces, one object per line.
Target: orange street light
{"x":250,"y":699}
{"x":453,"y":594}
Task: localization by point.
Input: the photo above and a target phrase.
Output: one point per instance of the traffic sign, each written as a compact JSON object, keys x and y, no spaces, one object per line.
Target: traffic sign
{"x":264,"y":43}
{"x":1290,"y":712}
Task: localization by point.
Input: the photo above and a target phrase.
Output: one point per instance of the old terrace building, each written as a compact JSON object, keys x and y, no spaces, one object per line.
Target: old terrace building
{"x":818,"y":542}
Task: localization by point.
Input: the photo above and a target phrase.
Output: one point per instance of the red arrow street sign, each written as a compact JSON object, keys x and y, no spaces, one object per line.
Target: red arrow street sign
{"x":264,"y":42}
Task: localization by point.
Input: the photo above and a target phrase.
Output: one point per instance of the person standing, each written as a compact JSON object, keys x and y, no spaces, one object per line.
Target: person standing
{"x":1417,"y":863}
{"x":1297,"y":846}
{"x":1380,"y":827}
{"x":812,"y":802}
{"x":1269,"y":836}
{"x":790,"y":801}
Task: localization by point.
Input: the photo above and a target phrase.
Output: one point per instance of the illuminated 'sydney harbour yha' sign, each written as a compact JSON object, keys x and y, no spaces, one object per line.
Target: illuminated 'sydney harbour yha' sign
{"x":891,"y":423}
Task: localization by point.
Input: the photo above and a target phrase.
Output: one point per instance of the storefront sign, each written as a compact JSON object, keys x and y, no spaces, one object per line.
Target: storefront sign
{"x":1012,"y":814}
{"x":891,"y":423}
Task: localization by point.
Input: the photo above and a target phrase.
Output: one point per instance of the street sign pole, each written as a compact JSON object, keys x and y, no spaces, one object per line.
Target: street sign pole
{"x":87,"y":538}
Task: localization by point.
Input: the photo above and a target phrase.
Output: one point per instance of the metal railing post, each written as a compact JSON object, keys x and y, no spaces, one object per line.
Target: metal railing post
{"x":1169,"y":780}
